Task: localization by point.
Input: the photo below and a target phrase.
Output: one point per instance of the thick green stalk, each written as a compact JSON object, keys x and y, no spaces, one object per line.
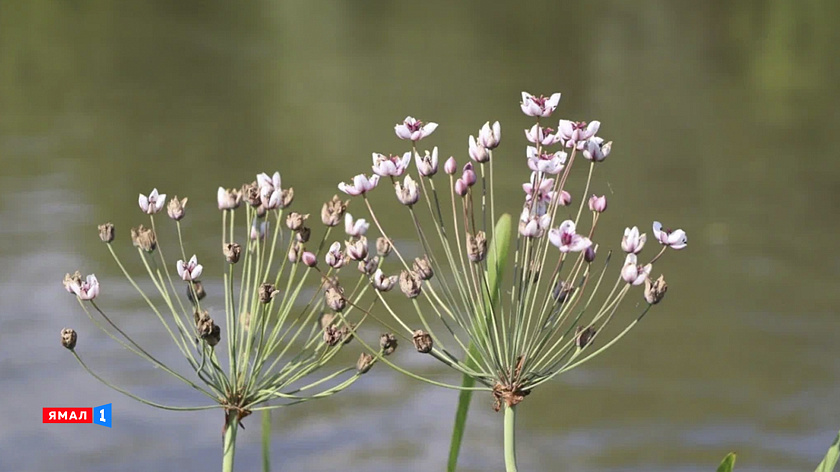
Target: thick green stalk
{"x":496,"y":268}
{"x":266,"y":440}
{"x":229,"y":443}
{"x":510,"y":439}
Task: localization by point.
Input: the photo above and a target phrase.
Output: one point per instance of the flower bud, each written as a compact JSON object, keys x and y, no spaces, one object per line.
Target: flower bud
{"x":450,"y":166}
{"x":175,"y":208}
{"x":410,"y":283}
{"x":388,"y":343}
{"x":68,"y":338}
{"x":228,"y":199}
{"x":267,"y":292}
{"x":364,"y":363}
{"x":200,"y":293}
{"x":232,"y":252}
{"x":461,"y":188}
{"x":309,"y":259}
{"x":422,"y":341}
{"x":423,"y":268}
{"x":295,"y":251}
{"x":477,"y":246}
{"x":295,"y":221}
{"x":333,"y":211}
{"x":144,"y":238}
{"x":468,"y":176}
{"x":564,"y":199}
{"x":562,"y":291}
{"x":589,"y":254}
{"x":655,"y":291}
{"x":583,"y":336}
{"x":383,"y":246}
{"x":598,"y":204}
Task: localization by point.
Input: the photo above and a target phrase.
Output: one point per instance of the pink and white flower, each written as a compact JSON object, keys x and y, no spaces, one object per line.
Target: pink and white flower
{"x":335,"y":257}
{"x":407,"y":192}
{"x":598,"y":204}
{"x":271,"y":194}
{"x":382,"y":282}
{"x":228,"y":199}
{"x":414,"y":130}
{"x":575,"y":133}
{"x":633,"y":273}
{"x":361,"y":184}
{"x":477,"y":151}
{"x":539,"y":135}
{"x":632,"y":242}
{"x":533,"y":225}
{"x":87,"y":289}
{"x":566,"y":239}
{"x":489,"y":137}
{"x":386,"y":166}
{"x":153,"y":203}
{"x":191,"y":270}
{"x":355,"y":228}
{"x":539,"y":106}
{"x":550,"y":163}
{"x":676,"y":239}
{"x":427,"y":165}
{"x":595,"y":149}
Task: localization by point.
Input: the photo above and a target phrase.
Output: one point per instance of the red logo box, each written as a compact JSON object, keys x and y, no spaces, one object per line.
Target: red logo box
{"x":68,"y":415}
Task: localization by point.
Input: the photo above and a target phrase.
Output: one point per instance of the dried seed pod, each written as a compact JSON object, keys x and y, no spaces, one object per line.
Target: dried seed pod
{"x":423,"y":268}
{"x":175,"y":208}
{"x":334,"y":297}
{"x":583,"y":336}
{"x":267,"y":292}
{"x":369,"y":266}
{"x":106,"y":232}
{"x":383,"y":246}
{"x":655,"y":291}
{"x":388,"y":343}
{"x":364,"y":363}
{"x":422,"y":341}
{"x":232,"y":252}
{"x":332,"y":335}
{"x":199,"y":291}
{"x":333,"y":211}
{"x":215,"y":335}
{"x":144,"y":238}
{"x":68,"y":338}
{"x":287,"y":195}
{"x":251,"y":193}
{"x":410,"y":283}
{"x":302,"y":235}
{"x":477,"y":246}
{"x":71,"y":280}
{"x":295,"y":220}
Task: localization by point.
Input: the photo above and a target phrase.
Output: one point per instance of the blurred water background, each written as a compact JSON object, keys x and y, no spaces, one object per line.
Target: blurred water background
{"x":723,"y":116}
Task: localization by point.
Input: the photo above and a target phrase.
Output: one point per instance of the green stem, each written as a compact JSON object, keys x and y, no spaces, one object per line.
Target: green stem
{"x":266,"y":440}
{"x":229,"y":444}
{"x":510,"y":440}
{"x":461,"y":413}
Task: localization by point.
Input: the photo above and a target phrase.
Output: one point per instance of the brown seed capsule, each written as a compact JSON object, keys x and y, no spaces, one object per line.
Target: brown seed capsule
{"x":346,"y":333}
{"x":106,"y":232}
{"x":267,"y":292}
{"x":423,"y":268}
{"x":68,"y":338}
{"x":388,"y":343}
{"x":144,"y":238}
{"x":199,"y":290}
{"x":287,"y":195}
{"x":369,"y":266}
{"x":655,"y":291}
{"x":383,"y":246}
{"x":332,"y":335}
{"x":410,"y":283}
{"x":71,"y":280}
{"x":251,"y":193}
{"x":175,"y":208}
{"x":477,"y":246}
{"x":562,"y":291}
{"x":364,"y":363}
{"x":215,"y":335}
{"x":302,"y":235}
{"x":334,"y":297}
{"x":232,"y":252}
{"x":333,"y":211}
{"x":583,"y":336}
{"x":295,"y":220}
{"x":422,"y":341}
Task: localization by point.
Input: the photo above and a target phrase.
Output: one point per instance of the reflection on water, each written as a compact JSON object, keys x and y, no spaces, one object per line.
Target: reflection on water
{"x":722,"y":116}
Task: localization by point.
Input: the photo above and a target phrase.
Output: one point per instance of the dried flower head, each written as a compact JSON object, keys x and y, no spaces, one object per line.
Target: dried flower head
{"x":333,"y":211}
{"x":655,"y":291}
{"x":267,"y":292}
{"x":369,"y":266}
{"x":388,"y":343}
{"x":295,"y":221}
{"x":364,"y":363}
{"x":72,"y":280}
{"x":383,"y":246}
{"x":422,"y":341}
{"x":423,"y":268}
{"x":410,"y":283}
{"x":476,"y":246}
{"x":144,"y":238}
{"x":229,"y":199}
{"x":583,"y":336}
{"x":175,"y":209}
{"x":106,"y":232}
{"x":68,"y":338}
{"x":198,"y":287}
{"x":334,"y":297}
{"x":232,"y":252}
{"x":382,"y":282}
{"x":302,"y":235}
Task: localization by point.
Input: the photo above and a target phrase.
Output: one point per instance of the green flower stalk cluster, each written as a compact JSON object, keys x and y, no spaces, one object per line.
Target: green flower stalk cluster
{"x":284,"y":320}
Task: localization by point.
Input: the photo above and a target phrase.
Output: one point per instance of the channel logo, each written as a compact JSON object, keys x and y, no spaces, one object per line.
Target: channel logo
{"x":100,"y":415}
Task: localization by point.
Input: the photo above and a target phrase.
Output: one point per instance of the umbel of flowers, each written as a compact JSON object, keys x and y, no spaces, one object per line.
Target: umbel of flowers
{"x":286,"y":312}
{"x":510,"y":331}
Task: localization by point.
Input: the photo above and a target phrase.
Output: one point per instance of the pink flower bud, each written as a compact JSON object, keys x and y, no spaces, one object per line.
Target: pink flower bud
{"x":461,"y":187}
{"x":565,"y":198}
{"x":309,"y":259}
{"x":469,"y":176}
{"x":598,"y":204}
{"x":450,"y":166}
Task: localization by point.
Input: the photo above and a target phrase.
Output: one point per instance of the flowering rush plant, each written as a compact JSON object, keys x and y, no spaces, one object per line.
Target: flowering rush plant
{"x":509,"y":331}
{"x":283,"y":321}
